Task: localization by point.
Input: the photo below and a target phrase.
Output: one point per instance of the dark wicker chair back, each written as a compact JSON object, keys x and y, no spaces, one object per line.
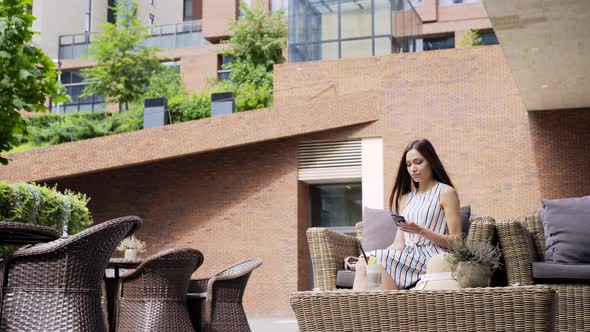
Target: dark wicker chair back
{"x":215,"y":303}
{"x":56,"y":286}
{"x":153,"y":297}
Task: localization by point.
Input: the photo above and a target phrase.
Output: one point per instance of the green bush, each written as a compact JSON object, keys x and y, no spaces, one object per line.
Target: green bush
{"x":190,"y":107}
{"x":51,"y":129}
{"x":42,"y":205}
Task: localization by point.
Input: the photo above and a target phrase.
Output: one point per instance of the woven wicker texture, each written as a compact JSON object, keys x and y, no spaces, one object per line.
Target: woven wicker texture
{"x":573,"y":298}
{"x":153,"y":297}
{"x":220,"y":309}
{"x":529,"y":308}
{"x":328,"y":248}
{"x":23,"y":233}
{"x":56,"y":286}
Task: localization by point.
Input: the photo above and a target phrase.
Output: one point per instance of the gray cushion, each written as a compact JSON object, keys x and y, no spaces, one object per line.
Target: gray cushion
{"x":378,"y":229}
{"x":548,"y":272}
{"x":567,"y":229}
{"x":465,"y":214}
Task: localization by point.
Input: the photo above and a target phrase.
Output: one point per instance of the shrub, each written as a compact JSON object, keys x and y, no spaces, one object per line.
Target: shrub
{"x":42,"y":205}
{"x":461,"y":250}
{"x":190,"y":107}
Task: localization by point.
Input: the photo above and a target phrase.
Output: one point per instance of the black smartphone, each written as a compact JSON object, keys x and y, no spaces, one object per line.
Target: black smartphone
{"x":398,"y":218}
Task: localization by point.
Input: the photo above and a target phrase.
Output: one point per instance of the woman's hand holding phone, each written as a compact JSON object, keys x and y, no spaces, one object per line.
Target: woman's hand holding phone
{"x":406,"y":226}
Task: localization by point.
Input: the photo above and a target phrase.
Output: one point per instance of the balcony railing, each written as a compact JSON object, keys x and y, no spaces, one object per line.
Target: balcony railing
{"x":169,"y":36}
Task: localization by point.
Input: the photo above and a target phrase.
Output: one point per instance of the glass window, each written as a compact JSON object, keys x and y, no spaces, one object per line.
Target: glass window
{"x":383,"y":46}
{"x":356,"y":18}
{"x":187,"y":10}
{"x":438,"y":43}
{"x":357,"y":48}
{"x":455,"y":2}
{"x":382,"y":17}
{"x":329,"y":51}
{"x":336,"y":205}
{"x":278,"y":5}
{"x":488,"y":38}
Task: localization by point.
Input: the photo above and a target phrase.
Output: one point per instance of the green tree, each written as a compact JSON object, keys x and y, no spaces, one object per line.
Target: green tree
{"x":470,"y":38}
{"x":123,"y":64}
{"x":27,"y":75}
{"x":256,"y":45}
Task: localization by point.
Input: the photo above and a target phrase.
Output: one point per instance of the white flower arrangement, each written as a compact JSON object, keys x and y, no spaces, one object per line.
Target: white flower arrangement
{"x":131,"y":243}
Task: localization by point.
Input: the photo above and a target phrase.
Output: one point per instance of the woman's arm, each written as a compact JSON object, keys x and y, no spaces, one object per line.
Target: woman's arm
{"x":449,"y":202}
{"x":399,"y":243}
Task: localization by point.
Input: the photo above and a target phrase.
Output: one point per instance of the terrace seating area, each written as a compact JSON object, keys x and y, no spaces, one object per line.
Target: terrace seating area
{"x":60,"y":284}
{"x":520,"y":300}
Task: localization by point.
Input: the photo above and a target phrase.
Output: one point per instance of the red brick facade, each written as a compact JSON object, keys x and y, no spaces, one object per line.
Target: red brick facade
{"x":245,"y":201}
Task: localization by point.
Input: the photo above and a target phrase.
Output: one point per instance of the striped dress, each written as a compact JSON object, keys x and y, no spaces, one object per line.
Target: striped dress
{"x":406,"y":267}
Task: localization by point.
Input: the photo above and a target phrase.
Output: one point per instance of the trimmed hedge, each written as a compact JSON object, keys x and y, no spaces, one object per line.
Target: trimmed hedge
{"x":42,"y":205}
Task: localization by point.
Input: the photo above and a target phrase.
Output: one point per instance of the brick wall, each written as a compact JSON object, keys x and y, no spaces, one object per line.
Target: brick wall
{"x":232,"y":205}
{"x":562,"y":151}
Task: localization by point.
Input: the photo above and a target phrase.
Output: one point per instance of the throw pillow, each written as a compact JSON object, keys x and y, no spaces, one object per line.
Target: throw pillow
{"x":378,"y":229}
{"x":567,"y":229}
{"x":465,"y":223}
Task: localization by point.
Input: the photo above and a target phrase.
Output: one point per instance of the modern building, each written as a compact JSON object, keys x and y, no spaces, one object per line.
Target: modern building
{"x":188,"y":32}
{"x":250,"y":184}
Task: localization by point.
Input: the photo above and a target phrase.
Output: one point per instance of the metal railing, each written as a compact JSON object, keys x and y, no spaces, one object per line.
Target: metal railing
{"x":167,"y":36}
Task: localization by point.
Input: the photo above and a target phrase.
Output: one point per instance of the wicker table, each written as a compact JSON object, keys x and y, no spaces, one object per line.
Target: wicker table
{"x":17,"y":233}
{"x":526,"y":308}
{"x":111,"y":284}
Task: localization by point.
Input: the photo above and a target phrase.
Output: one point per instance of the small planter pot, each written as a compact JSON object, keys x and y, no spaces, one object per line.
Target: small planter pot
{"x":131,"y":253}
{"x":471,"y":274}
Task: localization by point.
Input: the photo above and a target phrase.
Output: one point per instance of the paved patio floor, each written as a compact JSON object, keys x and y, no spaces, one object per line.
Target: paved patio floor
{"x":273,"y":324}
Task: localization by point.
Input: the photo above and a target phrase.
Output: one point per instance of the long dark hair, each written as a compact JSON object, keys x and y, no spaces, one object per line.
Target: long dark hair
{"x":403,"y":181}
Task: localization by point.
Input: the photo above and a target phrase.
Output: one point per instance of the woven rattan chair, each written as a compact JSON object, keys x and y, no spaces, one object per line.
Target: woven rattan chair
{"x":215,"y":303}
{"x":153,"y":297}
{"x":530,"y":308}
{"x":328,"y":249}
{"x":56,"y":286}
{"x":573,"y":298}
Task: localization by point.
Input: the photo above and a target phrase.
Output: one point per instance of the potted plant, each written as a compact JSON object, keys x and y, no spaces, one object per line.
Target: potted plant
{"x":132,"y":246}
{"x":473,"y":262}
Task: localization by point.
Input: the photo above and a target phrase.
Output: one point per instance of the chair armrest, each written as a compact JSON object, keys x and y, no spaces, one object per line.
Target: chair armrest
{"x":515,"y":248}
{"x":328,"y":250}
{"x":198,"y":285}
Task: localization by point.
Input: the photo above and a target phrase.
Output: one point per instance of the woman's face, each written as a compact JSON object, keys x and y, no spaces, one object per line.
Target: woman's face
{"x":418,"y":167}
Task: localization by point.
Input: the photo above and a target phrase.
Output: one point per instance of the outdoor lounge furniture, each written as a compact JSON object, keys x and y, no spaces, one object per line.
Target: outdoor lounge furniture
{"x":573,"y":297}
{"x":328,"y":248}
{"x":215,"y":303}
{"x":153,"y":297}
{"x":530,"y":308}
{"x":56,"y":286}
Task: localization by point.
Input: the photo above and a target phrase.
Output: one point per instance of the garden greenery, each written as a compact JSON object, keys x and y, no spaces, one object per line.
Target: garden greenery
{"x":470,"y":38}
{"x":28,"y":75}
{"x":257,"y":43}
{"x":42,"y":205}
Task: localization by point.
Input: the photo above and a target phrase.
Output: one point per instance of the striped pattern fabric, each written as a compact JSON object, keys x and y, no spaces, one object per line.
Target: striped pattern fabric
{"x":406,"y":267}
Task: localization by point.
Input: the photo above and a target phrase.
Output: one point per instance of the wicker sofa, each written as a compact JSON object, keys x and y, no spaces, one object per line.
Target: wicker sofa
{"x":573,"y":298}
{"x":521,"y":308}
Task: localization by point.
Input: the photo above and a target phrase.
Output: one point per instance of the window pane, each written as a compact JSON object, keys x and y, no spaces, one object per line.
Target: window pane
{"x":356,"y":18}
{"x":488,"y":38}
{"x":382,"y":17}
{"x":357,"y":48}
{"x":329,"y":51}
{"x":336,"y":205}
{"x":382,"y":46}
{"x":438,"y":43}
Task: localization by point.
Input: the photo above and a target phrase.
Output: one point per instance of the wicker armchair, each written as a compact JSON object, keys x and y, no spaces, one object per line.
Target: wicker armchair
{"x":153,"y":297}
{"x":573,"y":298}
{"x":328,"y":248}
{"x":215,"y":303}
{"x":56,"y":286}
